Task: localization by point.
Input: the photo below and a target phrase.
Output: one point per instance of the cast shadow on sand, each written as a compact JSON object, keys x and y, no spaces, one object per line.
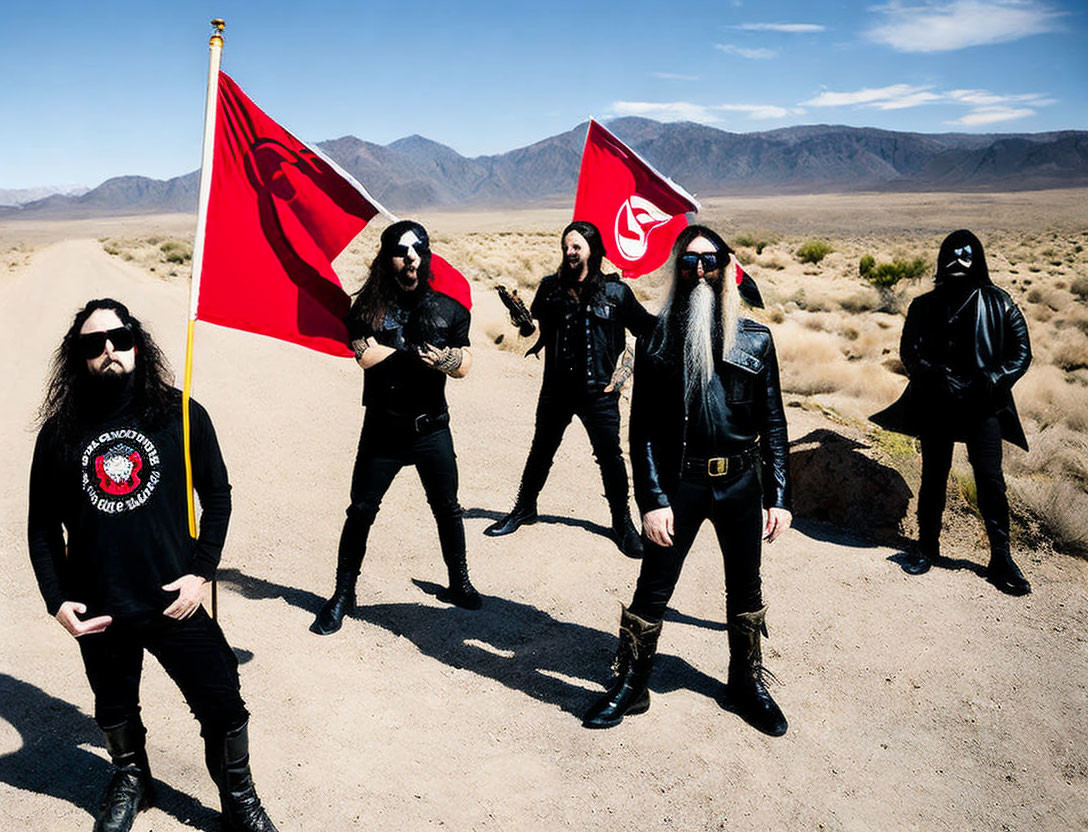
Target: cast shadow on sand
{"x":573,"y":522}
{"x":940,"y":562}
{"x":51,"y":759}
{"x":843,"y":496}
{"x":515,"y":644}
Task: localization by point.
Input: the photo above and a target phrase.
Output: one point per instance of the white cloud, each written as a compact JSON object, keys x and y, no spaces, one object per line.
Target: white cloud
{"x":985,"y":98}
{"x":666,"y":111}
{"x":781,"y":27}
{"x":673,"y":76}
{"x":985,"y":107}
{"x":931,"y":26}
{"x":753,"y":54}
{"x":893,"y":97}
{"x":992,"y":115}
{"x":758,"y":111}
{"x":701,"y":113}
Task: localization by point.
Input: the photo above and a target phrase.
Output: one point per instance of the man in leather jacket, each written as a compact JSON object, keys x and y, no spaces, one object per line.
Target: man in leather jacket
{"x":708,"y":441}
{"x":964,"y":345}
{"x":408,"y":338}
{"x":583,"y":316}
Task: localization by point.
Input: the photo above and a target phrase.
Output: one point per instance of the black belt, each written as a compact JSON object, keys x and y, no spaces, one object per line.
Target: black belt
{"x":426,"y":423}
{"x":720,"y":466}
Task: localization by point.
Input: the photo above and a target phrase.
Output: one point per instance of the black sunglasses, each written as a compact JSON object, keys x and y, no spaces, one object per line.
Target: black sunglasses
{"x":690,"y":262}
{"x":93,"y":344}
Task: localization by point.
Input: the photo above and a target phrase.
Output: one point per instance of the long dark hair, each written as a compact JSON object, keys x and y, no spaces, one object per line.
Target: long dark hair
{"x":594,"y":279}
{"x":379,"y":290}
{"x":65,"y":402}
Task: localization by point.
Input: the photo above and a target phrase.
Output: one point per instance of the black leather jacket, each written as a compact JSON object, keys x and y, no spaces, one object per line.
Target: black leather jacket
{"x":963,"y":348}
{"x":659,"y":416}
{"x":601,"y":320}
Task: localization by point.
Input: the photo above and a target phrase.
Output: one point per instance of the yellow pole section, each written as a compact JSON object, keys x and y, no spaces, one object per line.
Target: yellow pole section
{"x":215,"y":49}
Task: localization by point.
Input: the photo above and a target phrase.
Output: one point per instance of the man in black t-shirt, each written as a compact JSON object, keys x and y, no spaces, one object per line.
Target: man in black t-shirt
{"x":109,"y":471}
{"x":407,"y":338}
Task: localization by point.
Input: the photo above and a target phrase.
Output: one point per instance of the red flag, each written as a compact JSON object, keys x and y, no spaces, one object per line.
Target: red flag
{"x":279,"y":212}
{"x":447,"y":280}
{"x":637,"y":210}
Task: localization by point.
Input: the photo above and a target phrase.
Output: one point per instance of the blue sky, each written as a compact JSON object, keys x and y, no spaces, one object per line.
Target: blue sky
{"x":94,"y":90}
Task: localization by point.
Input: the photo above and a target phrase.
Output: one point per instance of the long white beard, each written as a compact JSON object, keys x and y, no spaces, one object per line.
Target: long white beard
{"x":699,"y":340}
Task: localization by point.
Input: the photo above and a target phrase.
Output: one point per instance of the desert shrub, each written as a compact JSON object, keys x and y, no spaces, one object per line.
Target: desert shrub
{"x":175,"y":251}
{"x":1061,"y":507}
{"x":1079,"y":287}
{"x":862,"y":301}
{"x":965,"y":485}
{"x":813,"y":251}
{"x":751,"y":241}
{"x":1070,"y":350}
{"x":111,"y":248}
{"x":866,"y":264}
{"x":886,"y":275}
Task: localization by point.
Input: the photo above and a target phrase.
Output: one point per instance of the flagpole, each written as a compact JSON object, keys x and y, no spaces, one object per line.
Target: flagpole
{"x":215,"y":49}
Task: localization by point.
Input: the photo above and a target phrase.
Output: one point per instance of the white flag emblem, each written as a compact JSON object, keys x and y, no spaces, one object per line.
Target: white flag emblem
{"x":634,"y":221}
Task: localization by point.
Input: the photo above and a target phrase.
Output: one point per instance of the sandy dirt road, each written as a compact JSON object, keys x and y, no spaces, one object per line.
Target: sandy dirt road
{"x":930,"y":703}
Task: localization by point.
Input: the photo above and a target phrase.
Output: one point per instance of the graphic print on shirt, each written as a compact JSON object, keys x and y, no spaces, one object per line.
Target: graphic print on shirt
{"x":120,"y":470}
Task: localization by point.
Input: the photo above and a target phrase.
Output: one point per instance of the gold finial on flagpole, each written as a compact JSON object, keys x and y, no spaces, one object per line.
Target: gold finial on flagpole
{"x":218,"y":25}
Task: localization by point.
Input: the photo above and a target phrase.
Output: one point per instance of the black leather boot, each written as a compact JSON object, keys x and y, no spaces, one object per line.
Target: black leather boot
{"x":331,"y":616}
{"x":1006,"y":575}
{"x":629,"y":693}
{"x":915,"y":560}
{"x":748,"y":694}
{"x":227,"y":756}
{"x":461,"y":592}
{"x":626,"y":535}
{"x":522,"y":514}
{"x":130,"y":790}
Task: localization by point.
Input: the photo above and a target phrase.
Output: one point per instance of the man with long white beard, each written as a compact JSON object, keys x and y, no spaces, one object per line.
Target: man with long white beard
{"x":708,"y":441}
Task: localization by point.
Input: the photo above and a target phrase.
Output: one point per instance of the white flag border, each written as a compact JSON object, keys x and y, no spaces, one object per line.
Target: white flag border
{"x":679,"y":190}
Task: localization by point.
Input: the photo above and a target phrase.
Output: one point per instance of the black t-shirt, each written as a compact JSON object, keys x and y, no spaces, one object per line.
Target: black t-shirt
{"x":402,"y":385}
{"x":119,"y":493}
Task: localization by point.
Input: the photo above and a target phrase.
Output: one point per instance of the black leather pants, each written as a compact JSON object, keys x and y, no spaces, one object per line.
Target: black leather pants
{"x":600,"y":414}
{"x":735,"y":506}
{"x":984,"y":453}
{"x":383,"y":450}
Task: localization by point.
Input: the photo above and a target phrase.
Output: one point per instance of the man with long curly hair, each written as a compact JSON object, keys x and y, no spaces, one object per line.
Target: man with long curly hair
{"x":408,"y":338}
{"x":109,"y":472}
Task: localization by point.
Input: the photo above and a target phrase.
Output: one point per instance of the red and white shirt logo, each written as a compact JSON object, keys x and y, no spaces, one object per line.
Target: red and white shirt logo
{"x":120,"y":470}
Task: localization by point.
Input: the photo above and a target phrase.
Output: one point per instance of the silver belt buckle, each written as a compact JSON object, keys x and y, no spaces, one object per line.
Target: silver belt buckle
{"x":717,"y":467}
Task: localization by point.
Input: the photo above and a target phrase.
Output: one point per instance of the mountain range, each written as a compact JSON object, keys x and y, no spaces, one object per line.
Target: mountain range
{"x":415,"y":172}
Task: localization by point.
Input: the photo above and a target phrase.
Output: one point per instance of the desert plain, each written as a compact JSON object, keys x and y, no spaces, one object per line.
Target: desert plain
{"x":915,"y":703}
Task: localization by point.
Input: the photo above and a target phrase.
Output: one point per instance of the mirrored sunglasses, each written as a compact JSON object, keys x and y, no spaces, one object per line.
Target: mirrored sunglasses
{"x":710,"y":260}
{"x":93,"y":344}
{"x":962,"y":253}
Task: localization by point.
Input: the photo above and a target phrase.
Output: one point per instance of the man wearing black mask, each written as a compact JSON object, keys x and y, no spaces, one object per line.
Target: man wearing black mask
{"x":109,"y":469}
{"x":583,"y":315}
{"x":964,"y":345}
{"x":407,"y":338}
{"x":708,"y":441}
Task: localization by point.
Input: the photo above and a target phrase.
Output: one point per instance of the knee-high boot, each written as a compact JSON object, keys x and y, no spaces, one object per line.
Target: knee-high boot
{"x":629,"y":692}
{"x":227,"y":757}
{"x":747,"y":691}
{"x":130,"y":789}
